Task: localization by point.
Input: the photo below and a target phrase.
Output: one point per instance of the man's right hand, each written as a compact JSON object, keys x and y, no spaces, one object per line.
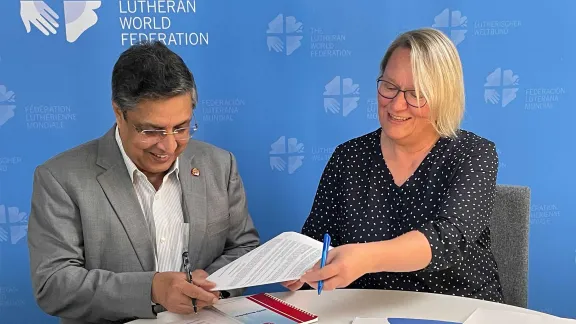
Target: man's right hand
{"x":293,"y":285}
{"x":171,"y":290}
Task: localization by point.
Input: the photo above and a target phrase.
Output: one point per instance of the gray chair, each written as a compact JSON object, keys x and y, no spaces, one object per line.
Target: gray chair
{"x":509,"y":233}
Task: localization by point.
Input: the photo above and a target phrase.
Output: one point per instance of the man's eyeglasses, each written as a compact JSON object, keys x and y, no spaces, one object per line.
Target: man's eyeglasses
{"x":390,"y":91}
{"x":154,"y":136}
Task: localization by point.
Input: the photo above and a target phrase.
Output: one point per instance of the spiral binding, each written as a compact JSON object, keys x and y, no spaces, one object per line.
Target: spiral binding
{"x":290,"y":305}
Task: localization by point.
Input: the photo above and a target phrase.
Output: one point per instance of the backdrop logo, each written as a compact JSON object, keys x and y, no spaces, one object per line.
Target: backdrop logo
{"x":543,"y":98}
{"x":543,"y":214}
{"x":328,"y":44}
{"x":13,"y":224}
{"x":11,"y":296}
{"x":322,"y":154}
{"x":286,"y":153}
{"x":284,"y":35}
{"x":148,"y":20}
{"x":7,"y":106}
{"x":453,"y":24}
{"x":8,"y":161}
{"x":456,"y":26}
{"x":372,"y":108}
{"x":79,"y":16}
{"x":341,"y":94}
{"x":47,"y":117}
{"x":501,"y":87}
{"x":221,"y":110}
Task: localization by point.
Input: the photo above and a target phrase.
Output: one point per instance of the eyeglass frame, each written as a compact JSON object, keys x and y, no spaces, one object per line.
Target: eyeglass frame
{"x":193,"y":129}
{"x":398,"y":90}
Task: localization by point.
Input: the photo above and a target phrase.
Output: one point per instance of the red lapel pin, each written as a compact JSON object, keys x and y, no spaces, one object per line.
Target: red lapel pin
{"x":195,"y":172}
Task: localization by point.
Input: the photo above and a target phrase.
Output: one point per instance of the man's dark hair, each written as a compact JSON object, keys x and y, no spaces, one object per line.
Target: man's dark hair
{"x":150,"y":71}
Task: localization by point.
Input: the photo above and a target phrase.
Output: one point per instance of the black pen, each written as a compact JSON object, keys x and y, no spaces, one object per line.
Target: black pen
{"x":188,"y":271}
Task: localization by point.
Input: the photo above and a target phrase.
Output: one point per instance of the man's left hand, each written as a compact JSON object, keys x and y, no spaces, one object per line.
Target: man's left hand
{"x":344,"y":265}
{"x":199,"y":279}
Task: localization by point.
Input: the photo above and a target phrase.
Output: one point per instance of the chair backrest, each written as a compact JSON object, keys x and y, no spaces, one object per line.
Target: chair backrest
{"x":509,"y":229}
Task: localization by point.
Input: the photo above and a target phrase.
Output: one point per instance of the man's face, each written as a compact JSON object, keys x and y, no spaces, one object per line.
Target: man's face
{"x":152,"y":152}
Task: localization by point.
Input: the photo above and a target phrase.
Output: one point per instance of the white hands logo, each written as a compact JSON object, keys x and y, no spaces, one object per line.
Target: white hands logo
{"x":6,"y":106}
{"x":79,"y":17}
{"x":17,"y":224}
{"x":286,"y":148}
{"x":280,"y":29}
{"x":453,"y":23}
{"x":491,"y":95}
{"x":501,"y":86}
{"x":39,"y":14}
{"x":341,"y":93}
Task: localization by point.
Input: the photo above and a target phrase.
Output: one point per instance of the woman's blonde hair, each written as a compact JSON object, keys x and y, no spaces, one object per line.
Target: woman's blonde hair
{"x":437,"y":74}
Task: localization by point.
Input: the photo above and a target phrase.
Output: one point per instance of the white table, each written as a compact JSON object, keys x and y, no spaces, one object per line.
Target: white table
{"x":341,"y":306}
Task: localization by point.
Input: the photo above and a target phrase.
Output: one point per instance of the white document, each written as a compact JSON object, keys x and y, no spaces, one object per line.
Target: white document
{"x":285,"y":257}
{"x":206,"y":316}
{"x":483,"y":316}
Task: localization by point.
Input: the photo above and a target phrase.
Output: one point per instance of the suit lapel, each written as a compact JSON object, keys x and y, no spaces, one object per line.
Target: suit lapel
{"x":115,"y":182}
{"x":194,"y":206}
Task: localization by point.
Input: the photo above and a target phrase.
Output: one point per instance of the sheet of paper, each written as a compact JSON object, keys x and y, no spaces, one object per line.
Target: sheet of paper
{"x":285,"y":257}
{"x":397,"y":320}
{"x":482,"y":316}
{"x":206,"y":316}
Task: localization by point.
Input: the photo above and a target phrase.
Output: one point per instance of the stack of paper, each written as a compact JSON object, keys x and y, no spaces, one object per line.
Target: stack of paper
{"x":283,"y":258}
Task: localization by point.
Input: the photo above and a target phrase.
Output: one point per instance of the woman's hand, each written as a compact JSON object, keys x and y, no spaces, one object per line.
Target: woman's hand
{"x":344,"y":265}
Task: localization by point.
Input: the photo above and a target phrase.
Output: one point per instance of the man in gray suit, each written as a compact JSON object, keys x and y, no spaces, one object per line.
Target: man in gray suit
{"x":111,"y":219}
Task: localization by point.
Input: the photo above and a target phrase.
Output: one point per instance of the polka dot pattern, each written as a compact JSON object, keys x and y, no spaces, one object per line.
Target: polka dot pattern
{"x":449,"y":198}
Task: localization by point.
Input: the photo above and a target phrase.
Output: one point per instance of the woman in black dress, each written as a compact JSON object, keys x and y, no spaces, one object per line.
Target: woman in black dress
{"x":408,"y":205}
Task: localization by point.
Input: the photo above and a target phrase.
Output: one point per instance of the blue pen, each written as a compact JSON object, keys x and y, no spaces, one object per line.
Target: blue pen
{"x":323,"y":260}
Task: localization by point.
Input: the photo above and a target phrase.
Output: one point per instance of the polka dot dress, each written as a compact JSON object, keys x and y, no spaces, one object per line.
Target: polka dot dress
{"x":449,"y":198}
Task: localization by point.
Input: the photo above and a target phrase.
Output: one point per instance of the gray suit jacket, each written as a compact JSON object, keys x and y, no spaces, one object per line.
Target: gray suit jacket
{"x":91,"y":254}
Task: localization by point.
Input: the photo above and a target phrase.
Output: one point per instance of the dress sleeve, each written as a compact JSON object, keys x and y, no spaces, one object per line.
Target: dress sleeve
{"x":465,"y":212}
{"x":324,"y":215}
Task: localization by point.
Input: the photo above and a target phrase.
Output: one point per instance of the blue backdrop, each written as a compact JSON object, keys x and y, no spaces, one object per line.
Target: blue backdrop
{"x":281,"y":83}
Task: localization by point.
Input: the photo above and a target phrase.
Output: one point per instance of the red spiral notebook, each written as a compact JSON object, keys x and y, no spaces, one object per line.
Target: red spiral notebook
{"x":263,"y":309}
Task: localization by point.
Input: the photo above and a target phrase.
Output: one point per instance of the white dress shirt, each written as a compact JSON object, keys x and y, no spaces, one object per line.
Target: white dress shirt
{"x":163,"y":212}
